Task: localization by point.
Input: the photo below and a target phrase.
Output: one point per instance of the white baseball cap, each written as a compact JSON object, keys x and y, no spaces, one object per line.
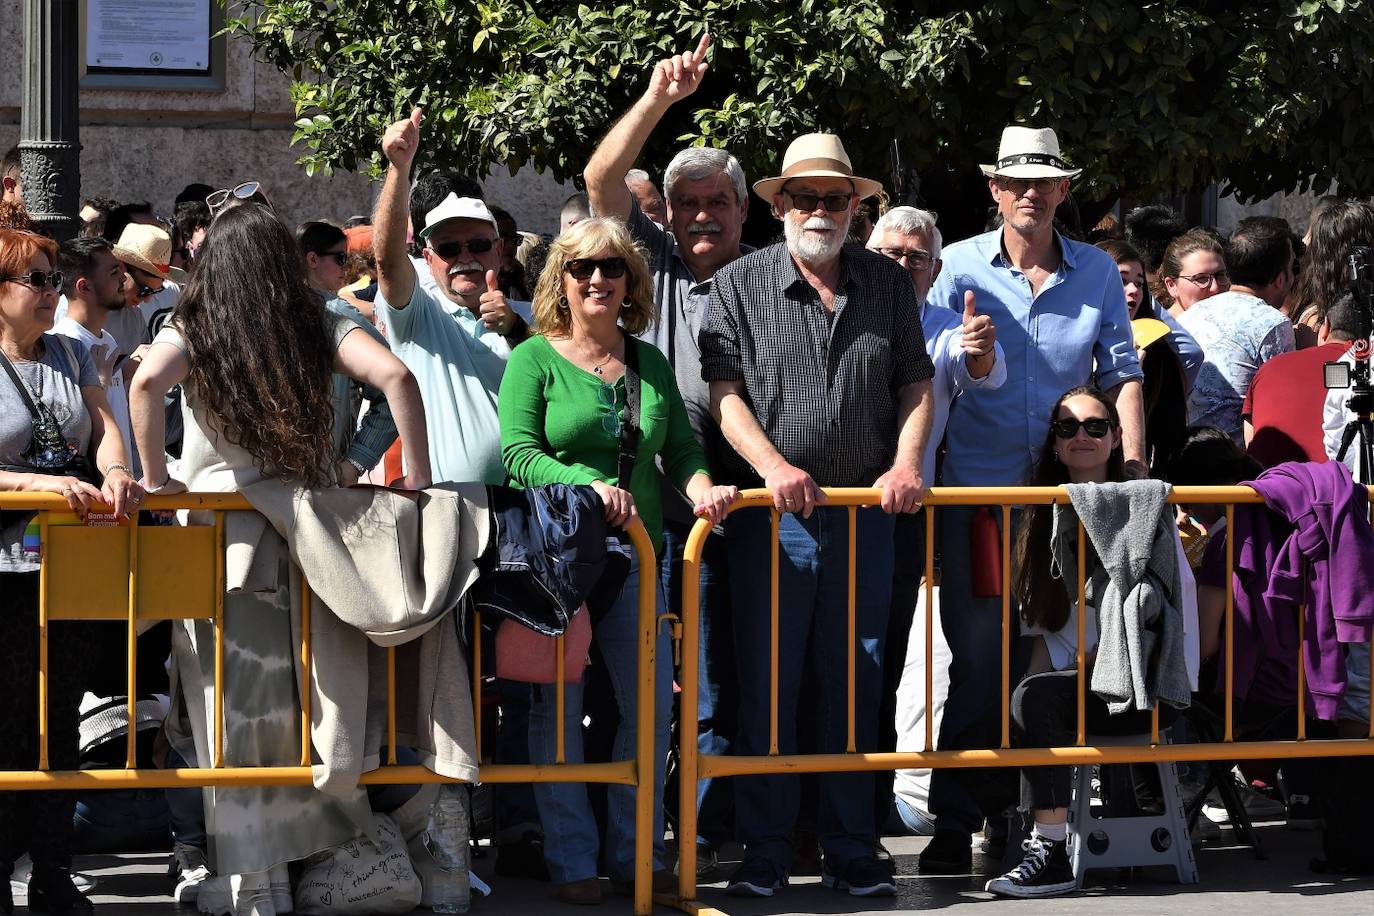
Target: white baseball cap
{"x":455,"y":207}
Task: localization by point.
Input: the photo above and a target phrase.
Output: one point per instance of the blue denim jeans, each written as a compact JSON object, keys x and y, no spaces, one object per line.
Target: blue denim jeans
{"x":973,"y":629}
{"x":570,"y":832}
{"x":813,"y":577}
{"x":185,"y":807}
{"x":717,"y":690}
{"x":120,"y":820}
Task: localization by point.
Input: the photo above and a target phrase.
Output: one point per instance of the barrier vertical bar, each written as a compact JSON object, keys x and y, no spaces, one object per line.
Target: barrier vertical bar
{"x":43,"y":640}
{"x":1006,"y":626}
{"x":391,"y":707}
{"x":773,"y":639}
{"x":645,"y":763}
{"x":850,"y":745}
{"x":560,"y":698}
{"x":1154,"y":723}
{"x":689,"y":710}
{"x":131,"y":746}
{"x":1302,"y":667}
{"x":1228,"y":735}
{"x":476,"y":685}
{"x":1082,"y":678}
{"x":930,"y":625}
{"x":219,"y":641}
{"x":305,"y":670}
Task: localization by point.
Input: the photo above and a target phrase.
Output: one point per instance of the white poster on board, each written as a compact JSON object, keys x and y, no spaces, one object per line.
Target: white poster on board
{"x":148,"y":34}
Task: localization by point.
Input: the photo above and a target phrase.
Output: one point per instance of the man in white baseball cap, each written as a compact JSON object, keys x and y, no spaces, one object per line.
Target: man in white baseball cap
{"x":455,"y":343}
{"x":1062,"y":321}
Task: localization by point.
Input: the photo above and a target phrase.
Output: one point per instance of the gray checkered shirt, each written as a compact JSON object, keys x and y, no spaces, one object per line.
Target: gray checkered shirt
{"x":823,"y":386}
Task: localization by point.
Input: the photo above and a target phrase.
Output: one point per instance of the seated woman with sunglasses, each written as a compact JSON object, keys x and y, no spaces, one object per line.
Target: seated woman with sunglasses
{"x":563,"y":414}
{"x":1083,"y":445}
{"x":57,"y":435}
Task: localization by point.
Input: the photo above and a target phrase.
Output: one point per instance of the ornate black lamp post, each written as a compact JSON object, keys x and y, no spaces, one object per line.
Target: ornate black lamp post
{"x":49,"y":147}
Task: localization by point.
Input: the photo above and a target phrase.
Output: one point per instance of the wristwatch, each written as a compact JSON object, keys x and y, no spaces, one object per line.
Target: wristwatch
{"x":362,"y":471}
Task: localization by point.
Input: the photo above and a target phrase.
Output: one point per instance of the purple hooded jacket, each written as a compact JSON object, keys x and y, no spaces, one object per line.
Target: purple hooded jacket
{"x":1314,"y":514}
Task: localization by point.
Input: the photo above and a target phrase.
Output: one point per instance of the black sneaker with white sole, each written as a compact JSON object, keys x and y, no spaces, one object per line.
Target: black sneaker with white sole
{"x":862,"y":877}
{"x":755,"y":877}
{"x":1044,"y":872}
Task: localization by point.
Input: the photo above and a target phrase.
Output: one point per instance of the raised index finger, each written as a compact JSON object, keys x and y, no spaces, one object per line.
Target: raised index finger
{"x":700,"y":53}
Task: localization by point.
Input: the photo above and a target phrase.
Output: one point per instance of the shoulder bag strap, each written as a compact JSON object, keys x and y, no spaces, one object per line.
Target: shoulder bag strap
{"x":629,"y":430}
{"x":19,"y":384}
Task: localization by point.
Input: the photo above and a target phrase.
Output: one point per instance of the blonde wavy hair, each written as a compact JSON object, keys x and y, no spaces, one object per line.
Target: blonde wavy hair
{"x":592,"y":238}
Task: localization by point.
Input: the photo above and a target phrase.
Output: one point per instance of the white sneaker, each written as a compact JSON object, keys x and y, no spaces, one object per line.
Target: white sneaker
{"x":23,"y":869}
{"x":190,"y":870}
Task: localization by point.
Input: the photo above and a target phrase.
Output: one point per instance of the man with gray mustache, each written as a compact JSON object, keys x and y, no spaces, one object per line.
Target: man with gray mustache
{"x":707,"y":201}
{"x":819,"y":377}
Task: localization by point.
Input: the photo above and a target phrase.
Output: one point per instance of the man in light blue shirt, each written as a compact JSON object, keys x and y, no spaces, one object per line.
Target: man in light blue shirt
{"x":456,"y":344}
{"x":966,"y":355}
{"x":1061,"y":321}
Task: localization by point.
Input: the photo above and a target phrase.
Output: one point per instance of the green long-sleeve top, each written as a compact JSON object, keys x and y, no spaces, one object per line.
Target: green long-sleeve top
{"x":556,"y":427}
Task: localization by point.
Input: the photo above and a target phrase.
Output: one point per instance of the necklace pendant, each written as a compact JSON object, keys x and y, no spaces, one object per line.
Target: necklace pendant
{"x":597,"y":370}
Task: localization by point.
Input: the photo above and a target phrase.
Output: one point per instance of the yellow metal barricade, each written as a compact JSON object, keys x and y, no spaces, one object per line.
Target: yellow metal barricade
{"x":142,"y":574}
{"x":695,"y":766}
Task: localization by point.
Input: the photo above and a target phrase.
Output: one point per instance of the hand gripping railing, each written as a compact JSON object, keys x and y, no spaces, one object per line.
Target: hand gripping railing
{"x":153,"y":573}
{"x":695,"y":766}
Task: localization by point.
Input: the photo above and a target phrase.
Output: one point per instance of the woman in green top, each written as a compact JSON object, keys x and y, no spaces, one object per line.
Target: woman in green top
{"x":562,"y":406}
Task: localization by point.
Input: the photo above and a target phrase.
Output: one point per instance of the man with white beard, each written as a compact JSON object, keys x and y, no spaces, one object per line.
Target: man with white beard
{"x":819,"y":376}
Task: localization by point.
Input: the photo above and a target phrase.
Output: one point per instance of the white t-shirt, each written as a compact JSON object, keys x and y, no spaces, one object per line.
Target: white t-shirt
{"x":1335,"y":414}
{"x":100,"y":347}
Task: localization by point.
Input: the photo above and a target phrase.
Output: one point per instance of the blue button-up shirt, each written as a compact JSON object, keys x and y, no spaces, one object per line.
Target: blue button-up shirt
{"x":1076,"y":331}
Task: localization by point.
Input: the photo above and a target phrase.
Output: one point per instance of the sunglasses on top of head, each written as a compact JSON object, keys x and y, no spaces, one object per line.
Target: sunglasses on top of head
{"x":583,"y":268}
{"x":451,"y":250}
{"x":1067,"y":428}
{"x":38,"y":279}
{"x":249,"y":190}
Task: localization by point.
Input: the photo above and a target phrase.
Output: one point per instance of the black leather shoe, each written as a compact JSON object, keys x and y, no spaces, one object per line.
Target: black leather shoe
{"x":949,"y":852}
{"x":51,"y":890}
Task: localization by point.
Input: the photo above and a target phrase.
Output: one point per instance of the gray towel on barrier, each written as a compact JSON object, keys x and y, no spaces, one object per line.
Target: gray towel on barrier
{"x":1140,"y":654}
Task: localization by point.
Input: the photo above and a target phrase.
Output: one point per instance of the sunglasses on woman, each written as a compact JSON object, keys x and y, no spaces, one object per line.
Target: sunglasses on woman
{"x":249,"y":190}
{"x":1068,"y":427}
{"x":583,"y":268}
{"x":339,"y":257}
{"x":39,"y":279}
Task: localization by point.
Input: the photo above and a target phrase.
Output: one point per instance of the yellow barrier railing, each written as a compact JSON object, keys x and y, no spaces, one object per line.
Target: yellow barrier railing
{"x":152,"y":573}
{"x":695,"y":766}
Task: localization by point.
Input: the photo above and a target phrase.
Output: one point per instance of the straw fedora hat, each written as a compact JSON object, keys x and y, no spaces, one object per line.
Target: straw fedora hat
{"x":1029,"y":152}
{"x":145,"y":247}
{"x":816,"y":156}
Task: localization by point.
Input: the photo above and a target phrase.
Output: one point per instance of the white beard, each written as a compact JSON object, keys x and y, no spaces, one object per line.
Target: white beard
{"x":808,"y":247}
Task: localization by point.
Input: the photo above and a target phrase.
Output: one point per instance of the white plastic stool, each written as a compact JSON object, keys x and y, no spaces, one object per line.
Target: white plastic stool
{"x":1129,"y":841}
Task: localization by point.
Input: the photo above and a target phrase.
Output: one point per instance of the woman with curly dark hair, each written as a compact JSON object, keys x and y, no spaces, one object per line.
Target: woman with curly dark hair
{"x":1337,"y":229}
{"x":255,"y":347}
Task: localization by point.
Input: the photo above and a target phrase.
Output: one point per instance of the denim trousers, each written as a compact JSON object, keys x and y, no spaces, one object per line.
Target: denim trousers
{"x":717,"y":691}
{"x":908,"y":569}
{"x":973,"y":630}
{"x":813,"y":575}
{"x":121,"y":820}
{"x":570,"y":831}
{"x":185,"y":807}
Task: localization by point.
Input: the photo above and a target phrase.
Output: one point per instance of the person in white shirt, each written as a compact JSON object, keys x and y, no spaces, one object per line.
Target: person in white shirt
{"x":94,"y":279}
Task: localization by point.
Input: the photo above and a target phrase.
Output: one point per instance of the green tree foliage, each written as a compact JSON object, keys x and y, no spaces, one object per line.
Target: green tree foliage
{"x":1151,"y":98}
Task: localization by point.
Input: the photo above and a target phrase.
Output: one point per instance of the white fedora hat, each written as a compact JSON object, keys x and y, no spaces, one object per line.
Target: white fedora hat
{"x":1029,"y":152}
{"x":816,"y":156}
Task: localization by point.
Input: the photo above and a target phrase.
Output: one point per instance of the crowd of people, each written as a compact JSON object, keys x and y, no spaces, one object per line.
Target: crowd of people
{"x":649,"y":357}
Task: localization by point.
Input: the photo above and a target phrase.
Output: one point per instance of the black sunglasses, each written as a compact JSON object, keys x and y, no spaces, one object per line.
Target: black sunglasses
{"x":340,"y":257}
{"x":39,"y":279}
{"x":450,"y":250}
{"x":583,"y":268}
{"x":835,"y":203}
{"x":1068,"y":427}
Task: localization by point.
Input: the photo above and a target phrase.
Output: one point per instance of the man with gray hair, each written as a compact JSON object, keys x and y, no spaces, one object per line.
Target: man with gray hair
{"x":707,"y":201}
{"x":966,"y":355}
{"x":646,"y":192}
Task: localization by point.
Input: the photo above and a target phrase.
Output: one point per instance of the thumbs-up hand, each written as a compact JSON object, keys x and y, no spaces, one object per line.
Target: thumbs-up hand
{"x":978,"y":339}
{"x":493,"y":308}
{"x":402,"y":140}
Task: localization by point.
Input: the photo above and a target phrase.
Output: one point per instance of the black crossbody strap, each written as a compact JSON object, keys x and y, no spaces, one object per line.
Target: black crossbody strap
{"x":629,"y":430}
{"x":19,"y":384}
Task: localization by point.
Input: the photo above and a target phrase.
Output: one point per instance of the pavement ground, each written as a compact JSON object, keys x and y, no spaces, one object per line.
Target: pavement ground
{"x":1233,"y":881}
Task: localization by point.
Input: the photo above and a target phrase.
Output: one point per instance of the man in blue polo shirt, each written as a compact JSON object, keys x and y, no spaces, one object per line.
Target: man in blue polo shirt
{"x":1061,"y":320}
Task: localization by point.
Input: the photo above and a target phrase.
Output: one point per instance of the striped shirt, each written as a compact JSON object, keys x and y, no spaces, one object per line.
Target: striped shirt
{"x":823,"y":385}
